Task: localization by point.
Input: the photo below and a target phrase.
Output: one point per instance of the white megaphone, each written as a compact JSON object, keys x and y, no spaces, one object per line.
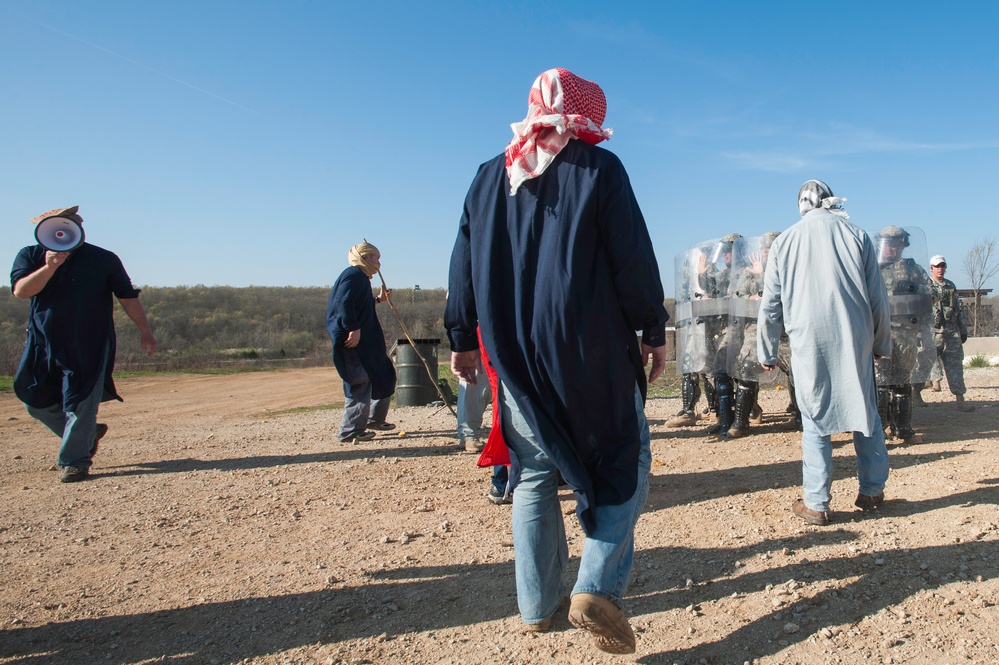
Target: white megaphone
{"x":59,"y":234}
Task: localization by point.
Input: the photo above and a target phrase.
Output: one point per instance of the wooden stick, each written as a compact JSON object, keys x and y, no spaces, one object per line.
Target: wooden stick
{"x":419,"y":355}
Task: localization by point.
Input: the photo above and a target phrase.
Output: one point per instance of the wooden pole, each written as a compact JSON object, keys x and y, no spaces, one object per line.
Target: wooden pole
{"x":433,"y":379}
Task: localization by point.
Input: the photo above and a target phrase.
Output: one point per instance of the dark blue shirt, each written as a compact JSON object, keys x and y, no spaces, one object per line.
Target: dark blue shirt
{"x":70,"y":326}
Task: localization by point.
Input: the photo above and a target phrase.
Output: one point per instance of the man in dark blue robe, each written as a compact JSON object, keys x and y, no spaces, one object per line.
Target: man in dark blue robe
{"x":66,"y":369}
{"x":560,"y":274}
{"x":359,"y":346}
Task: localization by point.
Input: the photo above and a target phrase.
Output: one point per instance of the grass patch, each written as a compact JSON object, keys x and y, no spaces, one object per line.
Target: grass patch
{"x":979,"y":361}
{"x":6,"y":384}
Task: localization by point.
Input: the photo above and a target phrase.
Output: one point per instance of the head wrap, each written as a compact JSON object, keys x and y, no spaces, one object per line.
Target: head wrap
{"x":69,"y":213}
{"x":561,"y":106}
{"x":371,"y":265}
{"x":817,"y":194}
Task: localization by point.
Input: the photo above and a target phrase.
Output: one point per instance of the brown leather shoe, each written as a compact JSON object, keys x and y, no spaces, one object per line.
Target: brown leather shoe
{"x":604,"y":620}
{"x":869,"y":503}
{"x":540,"y":627}
{"x":816,"y":517}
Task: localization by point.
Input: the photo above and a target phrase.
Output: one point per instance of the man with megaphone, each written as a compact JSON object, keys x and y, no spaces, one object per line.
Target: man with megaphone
{"x":65,"y":371}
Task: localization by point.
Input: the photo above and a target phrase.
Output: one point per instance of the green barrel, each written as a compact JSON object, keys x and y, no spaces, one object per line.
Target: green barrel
{"x":414,"y":387}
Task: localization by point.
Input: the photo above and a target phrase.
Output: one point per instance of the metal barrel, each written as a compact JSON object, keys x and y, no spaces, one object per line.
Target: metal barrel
{"x":414,"y":386}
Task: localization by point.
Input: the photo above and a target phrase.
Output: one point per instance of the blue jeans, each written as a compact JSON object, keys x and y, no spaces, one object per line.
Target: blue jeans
{"x":77,"y":429}
{"x":359,"y":409}
{"x":816,"y":464}
{"x":472,"y":403}
{"x":541,"y":553}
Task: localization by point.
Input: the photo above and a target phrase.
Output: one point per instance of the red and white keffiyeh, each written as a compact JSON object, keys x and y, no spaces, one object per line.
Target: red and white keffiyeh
{"x":561,"y":107}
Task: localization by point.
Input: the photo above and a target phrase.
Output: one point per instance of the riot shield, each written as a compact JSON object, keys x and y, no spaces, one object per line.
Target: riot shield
{"x":714,"y":276}
{"x":749,"y":260}
{"x":691,"y":357}
{"x":901,"y":258}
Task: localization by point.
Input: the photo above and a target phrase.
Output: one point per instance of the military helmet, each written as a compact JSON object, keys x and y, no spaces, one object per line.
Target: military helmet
{"x":895,"y":234}
{"x":768,"y":238}
{"x":731,"y":237}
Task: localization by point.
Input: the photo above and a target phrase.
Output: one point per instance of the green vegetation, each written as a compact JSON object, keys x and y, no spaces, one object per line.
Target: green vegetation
{"x":222,"y":328}
{"x":979,"y":361}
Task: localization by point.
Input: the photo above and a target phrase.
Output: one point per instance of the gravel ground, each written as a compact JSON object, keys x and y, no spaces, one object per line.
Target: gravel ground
{"x":225,"y":523}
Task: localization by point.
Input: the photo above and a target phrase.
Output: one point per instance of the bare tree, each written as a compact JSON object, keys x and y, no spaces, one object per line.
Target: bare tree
{"x":980,"y":265}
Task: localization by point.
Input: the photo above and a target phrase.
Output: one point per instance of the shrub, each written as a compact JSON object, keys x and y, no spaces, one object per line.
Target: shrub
{"x":979,"y":361}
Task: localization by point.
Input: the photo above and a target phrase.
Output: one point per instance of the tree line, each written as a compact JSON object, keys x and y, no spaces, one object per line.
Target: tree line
{"x":210,"y":327}
{"x":204,"y":327}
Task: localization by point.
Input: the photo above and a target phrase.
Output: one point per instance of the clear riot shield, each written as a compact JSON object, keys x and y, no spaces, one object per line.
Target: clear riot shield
{"x":712,"y":275}
{"x":749,"y":260}
{"x":691,"y":356}
{"x":902,"y":257}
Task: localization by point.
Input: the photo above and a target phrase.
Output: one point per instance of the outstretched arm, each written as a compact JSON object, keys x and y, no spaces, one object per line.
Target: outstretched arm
{"x":134,"y":309}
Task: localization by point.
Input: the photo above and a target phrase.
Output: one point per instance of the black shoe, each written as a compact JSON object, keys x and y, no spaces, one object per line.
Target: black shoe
{"x":363,"y":436}
{"x":380,"y":426}
{"x":102,"y":429}
{"x":73,"y":474}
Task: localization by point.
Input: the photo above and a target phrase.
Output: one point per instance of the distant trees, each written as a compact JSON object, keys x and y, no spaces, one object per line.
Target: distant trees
{"x":200,"y":327}
{"x":980,"y":265}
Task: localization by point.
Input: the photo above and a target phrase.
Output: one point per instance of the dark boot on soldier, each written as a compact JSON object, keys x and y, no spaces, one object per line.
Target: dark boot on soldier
{"x":902,"y":401}
{"x":962,"y":405}
{"x":711,"y":394}
{"x":690,"y":393}
{"x":723,"y":391}
{"x":744,"y":400}
{"x":884,"y":401}
{"x":917,"y":396}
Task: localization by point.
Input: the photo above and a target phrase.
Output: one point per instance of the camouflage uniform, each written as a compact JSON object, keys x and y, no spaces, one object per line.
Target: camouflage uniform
{"x":949,"y":332}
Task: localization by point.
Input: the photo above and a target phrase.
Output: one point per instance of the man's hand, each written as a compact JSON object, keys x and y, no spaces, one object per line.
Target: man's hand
{"x":465,"y":365}
{"x":148,"y":343}
{"x":767,"y":367}
{"x":658,"y":354}
{"x":55,"y":259}
{"x":353,"y":338}
{"x":384,"y":294}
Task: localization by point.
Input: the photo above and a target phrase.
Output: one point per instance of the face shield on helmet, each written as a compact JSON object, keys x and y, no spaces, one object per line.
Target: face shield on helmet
{"x":891,"y":241}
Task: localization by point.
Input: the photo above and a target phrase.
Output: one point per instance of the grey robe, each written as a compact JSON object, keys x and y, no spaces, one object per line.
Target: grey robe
{"x":823,"y":286}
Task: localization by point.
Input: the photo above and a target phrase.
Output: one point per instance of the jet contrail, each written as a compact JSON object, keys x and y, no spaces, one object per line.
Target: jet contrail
{"x":139,"y":64}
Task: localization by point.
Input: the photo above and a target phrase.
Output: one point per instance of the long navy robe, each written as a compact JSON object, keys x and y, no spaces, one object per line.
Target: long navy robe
{"x":560,"y":276}
{"x":70,"y":327}
{"x":352,"y":307}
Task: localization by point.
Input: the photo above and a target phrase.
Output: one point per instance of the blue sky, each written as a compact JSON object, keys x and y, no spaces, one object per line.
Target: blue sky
{"x":254,"y":142}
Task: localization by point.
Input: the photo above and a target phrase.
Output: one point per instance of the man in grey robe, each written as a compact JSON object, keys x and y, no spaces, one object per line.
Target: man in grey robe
{"x":823,"y":286}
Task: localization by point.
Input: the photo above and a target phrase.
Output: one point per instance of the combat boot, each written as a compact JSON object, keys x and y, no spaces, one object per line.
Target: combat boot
{"x":962,"y":405}
{"x":682,"y":419}
{"x":917,"y":397}
{"x":723,"y":390}
{"x":903,"y":415}
{"x":744,"y":400}
{"x":884,"y":400}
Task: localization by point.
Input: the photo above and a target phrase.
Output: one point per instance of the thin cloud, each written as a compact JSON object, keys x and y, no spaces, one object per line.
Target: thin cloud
{"x":139,"y":64}
{"x":843,"y":140}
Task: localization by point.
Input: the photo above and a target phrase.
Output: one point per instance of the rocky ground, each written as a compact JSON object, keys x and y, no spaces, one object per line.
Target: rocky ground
{"x":224,"y":523}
